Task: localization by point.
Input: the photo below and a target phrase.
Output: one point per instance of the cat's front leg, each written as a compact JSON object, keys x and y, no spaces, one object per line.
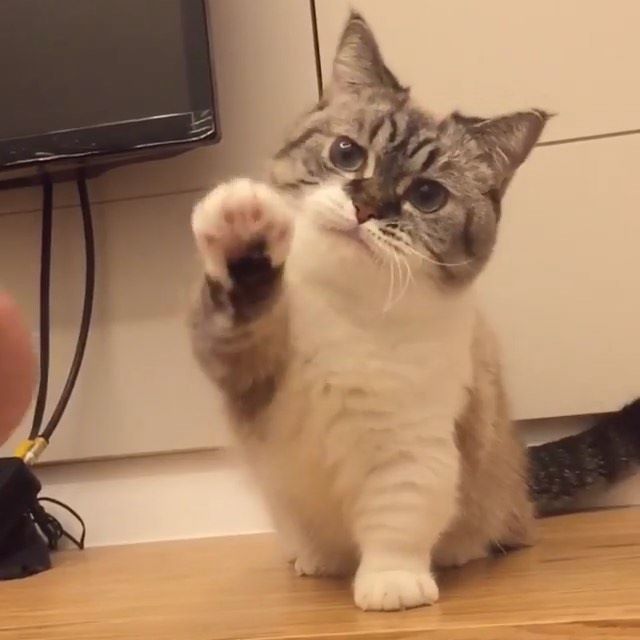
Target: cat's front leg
{"x":239,"y":322}
{"x":407,"y":501}
{"x":307,"y":551}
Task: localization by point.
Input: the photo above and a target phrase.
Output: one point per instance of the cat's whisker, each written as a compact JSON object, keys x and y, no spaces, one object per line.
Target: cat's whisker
{"x":409,"y":279}
{"x":394,"y":262}
{"x":381,"y":250}
{"x":401,"y":261}
{"x":395,"y":239}
{"x":403,"y":246}
{"x":418,"y":254}
{"x":392,"y":271}
{"x":390,"y":242}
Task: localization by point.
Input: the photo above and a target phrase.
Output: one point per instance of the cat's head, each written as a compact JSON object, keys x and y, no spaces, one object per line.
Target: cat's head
{"x":372,"y":165}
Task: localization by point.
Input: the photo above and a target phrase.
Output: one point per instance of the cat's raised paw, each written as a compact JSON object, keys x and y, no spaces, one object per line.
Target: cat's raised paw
{"x":394,"y":590}
{"x":239,"y":219}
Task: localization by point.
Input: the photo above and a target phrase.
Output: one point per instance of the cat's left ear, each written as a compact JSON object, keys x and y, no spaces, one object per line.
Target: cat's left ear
{"x":358,"y":62}
{"x":506,"y":140}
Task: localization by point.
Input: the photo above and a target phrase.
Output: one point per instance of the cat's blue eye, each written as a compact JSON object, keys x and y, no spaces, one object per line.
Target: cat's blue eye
{"x":426,"y":195}
{"x":347,"y":155}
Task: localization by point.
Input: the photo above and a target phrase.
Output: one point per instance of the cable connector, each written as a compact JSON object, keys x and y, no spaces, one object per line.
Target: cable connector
{"x":23,"y":448}
{"x":36,"y":450}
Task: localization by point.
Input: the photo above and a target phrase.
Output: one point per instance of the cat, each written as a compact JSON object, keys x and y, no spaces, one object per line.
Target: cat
{"x":338,"y":316}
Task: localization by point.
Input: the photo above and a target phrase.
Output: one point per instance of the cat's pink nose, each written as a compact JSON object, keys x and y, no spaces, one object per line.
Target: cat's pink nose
{"x":364,"y":213}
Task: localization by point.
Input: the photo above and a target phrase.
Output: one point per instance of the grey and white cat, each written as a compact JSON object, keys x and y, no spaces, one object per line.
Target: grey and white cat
{"x":338,"y":316}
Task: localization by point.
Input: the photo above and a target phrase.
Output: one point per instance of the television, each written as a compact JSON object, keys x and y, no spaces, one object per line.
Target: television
{"x":100,"y":80}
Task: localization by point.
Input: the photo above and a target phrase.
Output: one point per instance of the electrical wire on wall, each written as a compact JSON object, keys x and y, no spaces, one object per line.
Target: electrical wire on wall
{"x":87,"y":308}
{"x":45,"y":285}
{"x":39,"y":437}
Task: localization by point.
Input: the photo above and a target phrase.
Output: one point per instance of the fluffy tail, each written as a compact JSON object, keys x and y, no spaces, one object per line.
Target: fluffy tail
{"x":563,"y":471}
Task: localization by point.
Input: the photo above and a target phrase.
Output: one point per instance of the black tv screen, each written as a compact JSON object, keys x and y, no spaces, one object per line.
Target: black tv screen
{"x":92,"y":77}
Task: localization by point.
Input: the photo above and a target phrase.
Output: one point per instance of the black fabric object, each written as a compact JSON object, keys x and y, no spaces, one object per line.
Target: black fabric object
{"x":23,"y":550}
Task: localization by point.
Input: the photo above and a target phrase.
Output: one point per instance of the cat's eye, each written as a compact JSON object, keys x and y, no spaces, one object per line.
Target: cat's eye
{"x":427,"y":196}
{"x":347,"y":155}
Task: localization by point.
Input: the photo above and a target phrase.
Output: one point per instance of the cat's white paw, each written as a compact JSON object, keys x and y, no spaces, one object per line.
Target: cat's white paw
{"x":309,"y":566}
{"x":313,"y":565}
{"x":394,"y":590}
{"x":235,"y":219}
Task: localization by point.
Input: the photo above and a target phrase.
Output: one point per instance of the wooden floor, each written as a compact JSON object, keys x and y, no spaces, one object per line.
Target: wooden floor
{"x":582,"y":581}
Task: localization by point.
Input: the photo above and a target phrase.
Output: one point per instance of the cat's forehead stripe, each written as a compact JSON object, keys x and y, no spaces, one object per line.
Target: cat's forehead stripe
{"x":430,"y":159}
{"x":400,"y":147}
{"x":421,"y":144}
{"x":375,"y":129}
{"x":393,"y":133}
{"x":298,"y":141}
{"x":384,"y":130}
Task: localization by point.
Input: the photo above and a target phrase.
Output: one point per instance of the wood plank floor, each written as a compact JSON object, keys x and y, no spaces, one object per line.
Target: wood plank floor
{"x":582,"y":580}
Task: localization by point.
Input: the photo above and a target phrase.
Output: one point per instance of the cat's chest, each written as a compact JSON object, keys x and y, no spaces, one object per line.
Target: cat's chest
{"x":405,"y":349}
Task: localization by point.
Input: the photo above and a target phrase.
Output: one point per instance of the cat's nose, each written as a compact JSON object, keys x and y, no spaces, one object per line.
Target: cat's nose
{"x":364,"y":212}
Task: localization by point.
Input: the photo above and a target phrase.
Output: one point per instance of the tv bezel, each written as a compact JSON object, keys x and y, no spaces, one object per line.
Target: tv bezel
{"x":122,"y":142}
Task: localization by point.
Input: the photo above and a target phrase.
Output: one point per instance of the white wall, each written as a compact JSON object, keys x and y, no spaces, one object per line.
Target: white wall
{"x":174,"y":496}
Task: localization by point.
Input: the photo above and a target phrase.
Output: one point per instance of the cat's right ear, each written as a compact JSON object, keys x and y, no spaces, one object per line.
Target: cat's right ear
{"x":358,"y":62}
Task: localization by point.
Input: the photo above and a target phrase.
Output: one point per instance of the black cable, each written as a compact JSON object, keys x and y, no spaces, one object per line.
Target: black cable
{"x":51,"y":527}
{"x":45,"y":286}
{"x":316,"y":46}
{"x":78,"y":542}
{"x":89,"y":288}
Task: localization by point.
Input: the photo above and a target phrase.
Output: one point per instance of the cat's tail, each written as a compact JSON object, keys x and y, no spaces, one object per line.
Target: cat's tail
{"x":563,"y":471}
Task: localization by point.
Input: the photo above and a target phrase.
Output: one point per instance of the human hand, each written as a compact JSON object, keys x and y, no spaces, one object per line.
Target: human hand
{"x":17,"y":367}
